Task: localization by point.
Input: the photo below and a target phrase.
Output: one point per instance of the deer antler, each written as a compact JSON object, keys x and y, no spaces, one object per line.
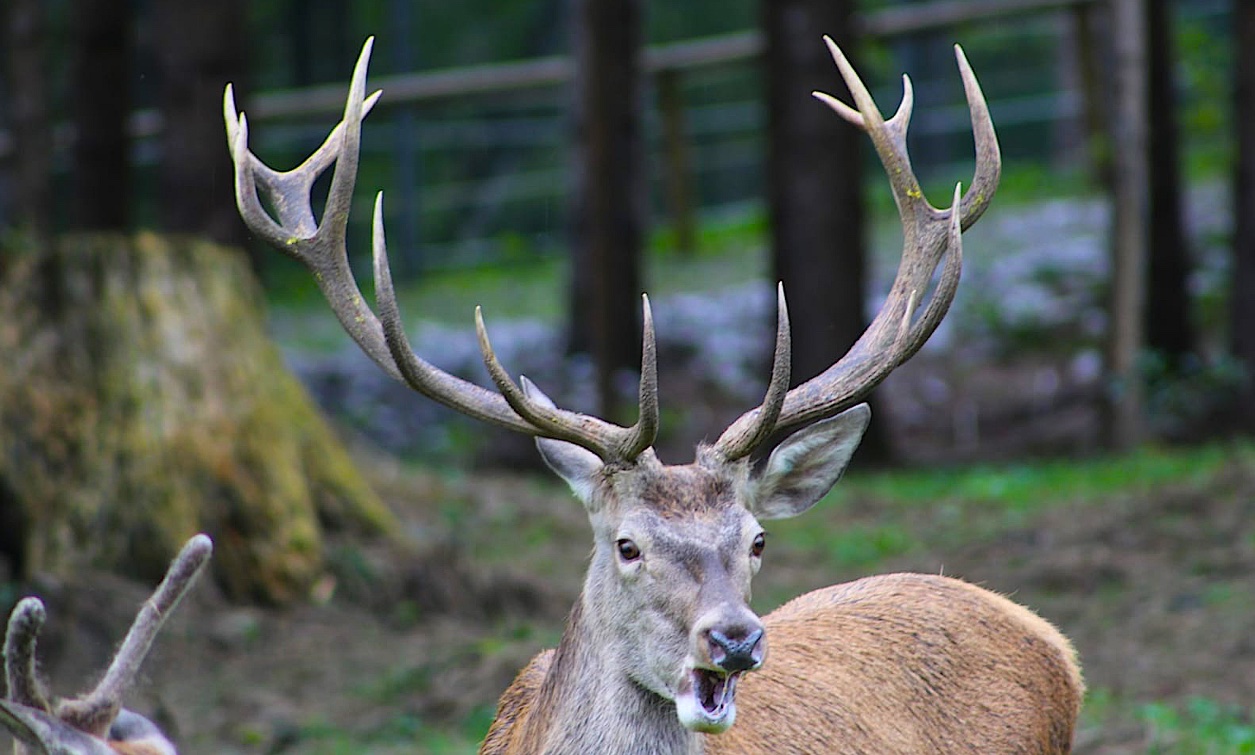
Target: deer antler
{"x":81,"y":724}
{"x":930,"y":237}
{"x":322,"y":249}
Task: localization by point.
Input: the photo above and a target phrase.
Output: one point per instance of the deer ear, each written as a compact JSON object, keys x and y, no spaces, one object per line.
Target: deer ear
{"x":807,"y":464}
{"x":576,"y":465}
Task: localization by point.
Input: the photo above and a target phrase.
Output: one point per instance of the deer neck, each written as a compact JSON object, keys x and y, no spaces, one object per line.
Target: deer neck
{"x":587,"y":703}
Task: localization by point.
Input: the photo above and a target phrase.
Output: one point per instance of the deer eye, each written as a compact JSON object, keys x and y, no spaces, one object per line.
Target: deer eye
{"x":760,"y":542}
{"x":628,"y":550}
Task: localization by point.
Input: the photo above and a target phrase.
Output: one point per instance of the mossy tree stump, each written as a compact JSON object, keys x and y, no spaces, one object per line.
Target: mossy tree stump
{"x":141,"y":401}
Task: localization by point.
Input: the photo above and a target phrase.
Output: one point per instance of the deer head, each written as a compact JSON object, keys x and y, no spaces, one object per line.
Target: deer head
{"x":94,"y":723}
{"x":664,"y":615}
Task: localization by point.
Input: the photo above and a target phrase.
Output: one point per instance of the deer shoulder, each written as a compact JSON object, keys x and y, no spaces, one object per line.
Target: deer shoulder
{"x":505,"y":734}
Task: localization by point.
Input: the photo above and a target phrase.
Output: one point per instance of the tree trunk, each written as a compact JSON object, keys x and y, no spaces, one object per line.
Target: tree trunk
{"x":200,"y":45}
{"x":609,"y":199}
{"x":1123,"y":421}
{"x":1242,"y":295}
{"x":1169,"y":331}
{"x":814,"y":188}
{"x":142,"y":401}
{"x":102,"y":104}
{"x":25,"y":36}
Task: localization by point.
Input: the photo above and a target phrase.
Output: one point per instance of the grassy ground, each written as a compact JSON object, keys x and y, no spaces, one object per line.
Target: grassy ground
{"x":1058,"y":536}
{"x":1147,"y":561}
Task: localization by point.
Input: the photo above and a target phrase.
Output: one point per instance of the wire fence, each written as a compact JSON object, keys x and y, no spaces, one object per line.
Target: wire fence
{"x":476,"y":162}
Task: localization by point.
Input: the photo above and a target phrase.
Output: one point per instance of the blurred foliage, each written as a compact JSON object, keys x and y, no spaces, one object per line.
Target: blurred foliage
{"x":1199,"y":727}
{"x":1205,"y":62}
{"x":1192,"y":394}
{"x":905,"y":511}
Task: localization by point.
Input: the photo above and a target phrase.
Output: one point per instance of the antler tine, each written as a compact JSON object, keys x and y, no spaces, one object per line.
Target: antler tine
{"x":20,"y":639}
{"x":645,"y":430}
{"x":322,"y":248}
{"x":95,"y":711}
{"x":422,"y":376}
{"x":752,"y":428}
{"x":947,"y":285}
{"x":930,"y":237}
{"x":988,"y":154}
{"x":610,"y":442}
{"x":282,"y":188}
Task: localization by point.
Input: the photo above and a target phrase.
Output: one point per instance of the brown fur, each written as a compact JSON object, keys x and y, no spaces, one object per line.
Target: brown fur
{"x":505,"y":734}
{"x":893,"y":664}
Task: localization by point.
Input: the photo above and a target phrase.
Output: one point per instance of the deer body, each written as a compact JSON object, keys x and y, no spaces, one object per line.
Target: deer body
{"x":662,"y":637}
{"x":903,"y":664}
{"x":896,"y":664}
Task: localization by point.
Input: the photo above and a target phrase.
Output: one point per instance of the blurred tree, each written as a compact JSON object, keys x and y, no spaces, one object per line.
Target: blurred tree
{"x":200,"y":45}
{"x":25,"y":38}
{"x":101,"y":100}
{"x":1123,"y":400}
{"x":814,"y":188}
{"x":609,"y":196}
{"x":141,"y":399}
{"x":1169,"y":330}
{"x":1242,"y":293}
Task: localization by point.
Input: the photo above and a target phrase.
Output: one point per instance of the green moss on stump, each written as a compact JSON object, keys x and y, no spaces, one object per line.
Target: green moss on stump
{"x":141,"y":401}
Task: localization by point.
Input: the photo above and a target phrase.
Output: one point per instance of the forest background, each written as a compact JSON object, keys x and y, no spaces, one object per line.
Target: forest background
{"x":163,"y":374}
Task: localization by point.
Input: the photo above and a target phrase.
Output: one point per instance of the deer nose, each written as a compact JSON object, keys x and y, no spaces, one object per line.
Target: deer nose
{"x":734,"y":654}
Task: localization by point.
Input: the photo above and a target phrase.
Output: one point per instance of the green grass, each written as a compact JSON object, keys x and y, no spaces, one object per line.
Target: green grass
{"x":1025,"y":486}
{"x":404,"y":733}
{"x":943,"y":508}
{"x":1199,"y":727}
{"x":1196,"y":726}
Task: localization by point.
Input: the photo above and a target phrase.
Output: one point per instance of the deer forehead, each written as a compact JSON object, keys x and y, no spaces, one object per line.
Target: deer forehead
{"x":677,"y":492}
{"x":693,"y":539}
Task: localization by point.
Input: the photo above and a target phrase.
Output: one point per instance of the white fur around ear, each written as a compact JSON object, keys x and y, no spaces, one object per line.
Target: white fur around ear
{"x":807,"y":464}
{"x":576,"y":465}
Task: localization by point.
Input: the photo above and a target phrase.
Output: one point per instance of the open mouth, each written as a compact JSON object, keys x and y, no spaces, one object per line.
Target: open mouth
{"x":706,"y":700}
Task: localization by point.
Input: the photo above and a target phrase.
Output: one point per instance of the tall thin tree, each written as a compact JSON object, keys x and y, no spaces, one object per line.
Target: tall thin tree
{"x":1242,"y":296}
{"x":199,"y":45}
{"x":101,"y":106}
{"x":1123,"y":405}
{"x":25,"y":39}
{"x":1169,"y":330}
{"x":814,"y":186}
{"x":609,"y":192}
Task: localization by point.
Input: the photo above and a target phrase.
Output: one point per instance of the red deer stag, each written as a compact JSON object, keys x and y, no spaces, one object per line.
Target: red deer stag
{"x":662,"y":636}
{"x":94,"y":723}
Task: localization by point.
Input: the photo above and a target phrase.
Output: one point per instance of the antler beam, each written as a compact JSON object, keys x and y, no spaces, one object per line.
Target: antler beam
{"x":931,"y":238}
{"x":321,"y":247}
